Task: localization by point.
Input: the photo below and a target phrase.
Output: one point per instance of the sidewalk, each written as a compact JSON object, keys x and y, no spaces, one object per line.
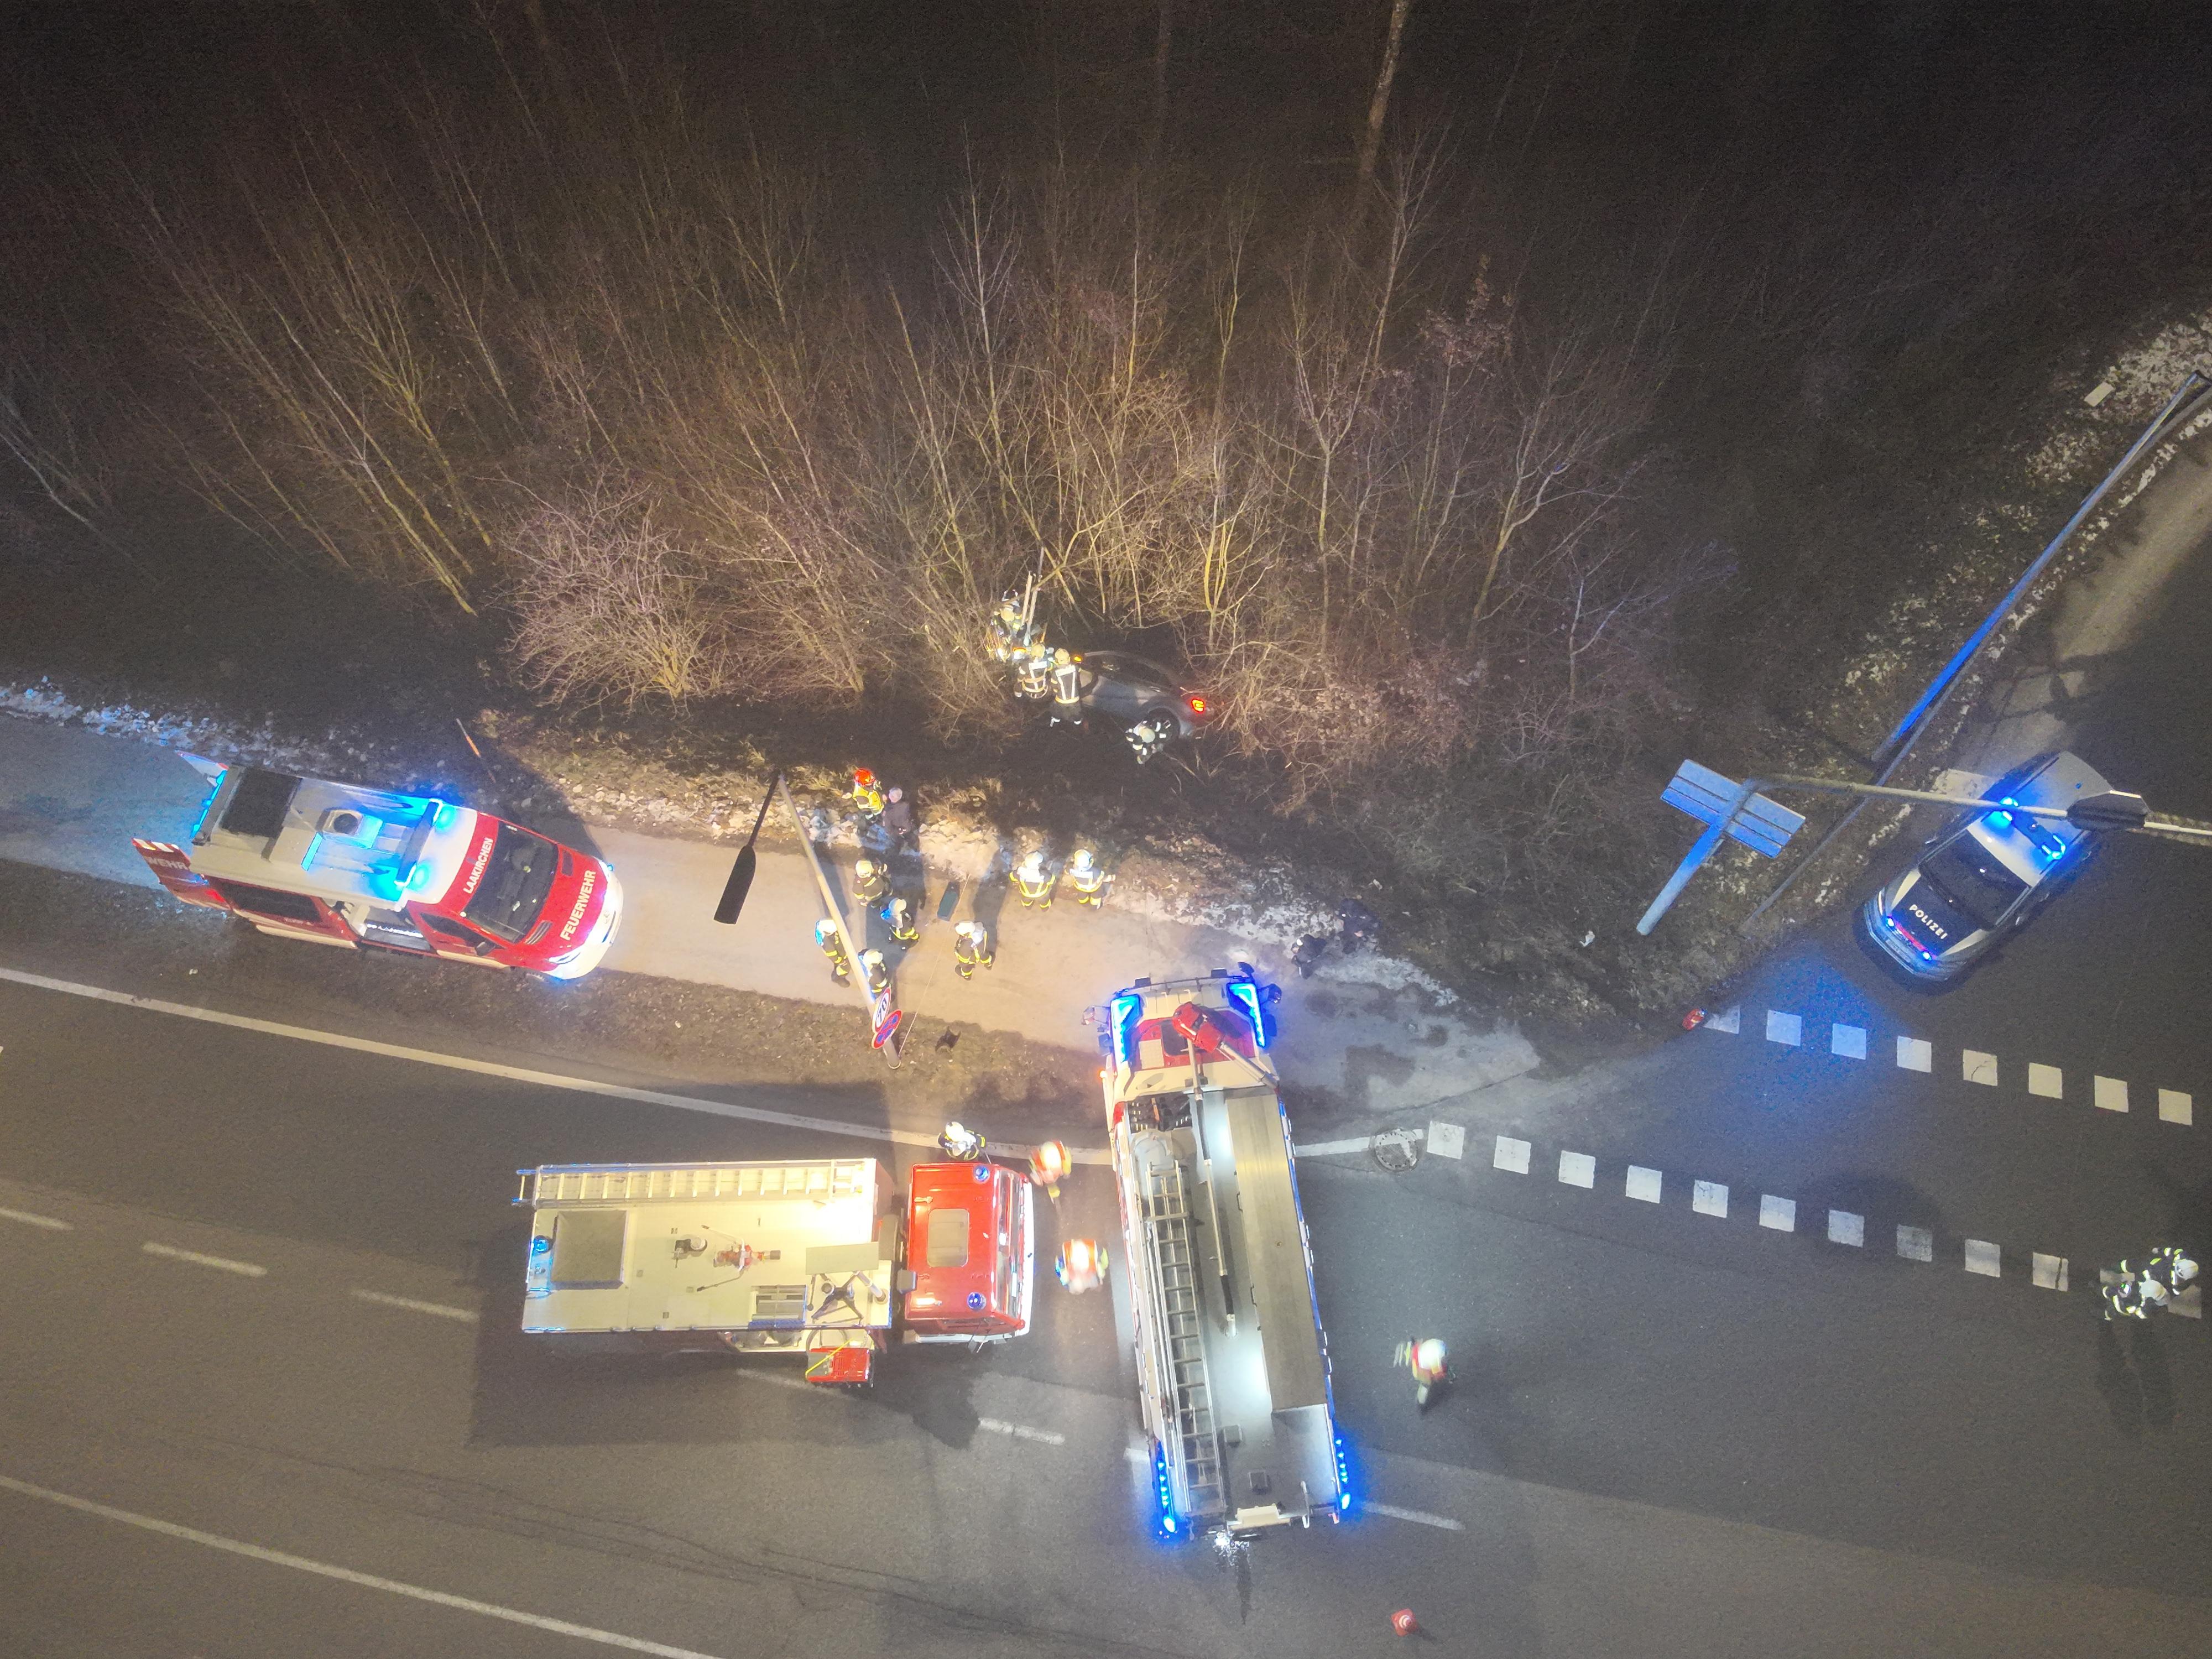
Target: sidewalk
{"x":1364,"y":1029}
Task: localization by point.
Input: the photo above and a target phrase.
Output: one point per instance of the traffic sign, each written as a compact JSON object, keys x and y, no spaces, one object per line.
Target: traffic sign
{"x":1763,"y":825}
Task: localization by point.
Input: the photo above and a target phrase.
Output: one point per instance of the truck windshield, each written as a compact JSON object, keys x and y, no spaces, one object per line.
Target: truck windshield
{"x":514,"y":885}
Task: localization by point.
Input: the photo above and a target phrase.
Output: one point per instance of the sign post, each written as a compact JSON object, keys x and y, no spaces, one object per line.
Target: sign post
{"x":884,"y":1022}
{"x":1727,"y":808}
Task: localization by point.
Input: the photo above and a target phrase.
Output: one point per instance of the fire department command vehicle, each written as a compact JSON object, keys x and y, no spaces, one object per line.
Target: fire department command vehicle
{"x":1232,"y":1365}
{"x":301,"y":857}
{"x":817,"y":1260}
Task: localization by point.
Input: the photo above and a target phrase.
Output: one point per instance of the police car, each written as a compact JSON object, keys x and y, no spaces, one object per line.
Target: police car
{"x":1986,"y":874}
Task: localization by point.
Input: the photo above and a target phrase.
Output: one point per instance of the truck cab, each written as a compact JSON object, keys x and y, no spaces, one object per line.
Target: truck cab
{"x":970,"y":1254}
{"x":339,"y":863}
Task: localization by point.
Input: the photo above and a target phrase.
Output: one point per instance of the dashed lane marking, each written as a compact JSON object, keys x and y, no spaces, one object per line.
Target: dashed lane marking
{"x":1779,"y":1213}
{"x":2175,"y":1107}
{"x":1978,"y":1067}
{"x":386,"y":1300}
{"x":347,"y":1575}
{"x":53,"y":1224}
{"x":1982,"y":1258}
{"x":1710,"y":1198}
{"x":1577,"y":1170}
{"x":1916,"y":1244}
{"x":1511,"y":1155}
{"x":170,"y":1252}
{"x":2110,"y":1093}
{"x":1447,"y":1140}
{"x":1022,"y":1431}
{"x":1847,"y":1041}
{"x":828,"y":1126}
{"x":1844,"y":1228}
{"x":1643,"y":1184}
{"x":2050,"y":1271}
{"x":1729,"y":1020}
{"x":1420,"y":1517}
{"x":1786,"y":1029}
{"x":1916,"y":1055}
{"x":2047,"y":1081}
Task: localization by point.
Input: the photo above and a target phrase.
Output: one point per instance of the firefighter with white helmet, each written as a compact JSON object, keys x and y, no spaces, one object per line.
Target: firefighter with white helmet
{"x":825,"y":935}
{"x":1149,"y":736}
{"x":1081,"y":1266}
{"x":870,"y":883}
{"x":971,"y":948}
{"x":1034,"y":881}
{"x":878,"y":970}
{"x":2171,"y":1266}
{"x":1088,"y":881}
{"x":956,"y":1139}
{"x":898,"y":915}
{"x":1424,"y":1358}
{"x":1048,"y":1167}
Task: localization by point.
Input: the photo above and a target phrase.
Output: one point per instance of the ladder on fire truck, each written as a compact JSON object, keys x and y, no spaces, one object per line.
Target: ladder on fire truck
{"x":819,"y":1179}
{"x":1175,"y":1270}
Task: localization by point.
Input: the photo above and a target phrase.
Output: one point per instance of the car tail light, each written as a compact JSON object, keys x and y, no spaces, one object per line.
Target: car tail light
{"x":1198,"y":705}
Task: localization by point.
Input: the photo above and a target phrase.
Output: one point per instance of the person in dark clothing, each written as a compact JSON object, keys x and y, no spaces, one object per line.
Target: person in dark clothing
{"x":898,"y":819}
{"x":1360,"y":926}
{"x":1309,"y":954}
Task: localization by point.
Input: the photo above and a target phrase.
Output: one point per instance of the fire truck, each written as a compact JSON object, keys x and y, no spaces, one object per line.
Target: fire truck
{"x":302,"y":858}
{"x":818,"y":1260}
{"x":1232,"y":1364}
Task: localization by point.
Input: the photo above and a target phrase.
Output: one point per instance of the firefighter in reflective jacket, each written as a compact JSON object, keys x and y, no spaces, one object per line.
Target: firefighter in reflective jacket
{"x":2171,"y":1267}
{"x":1007,"y":636}
{"x":971,"y":948}
{"x":1033,"y":883}
{"x":1424,"y":1358}
{"x":2124,"y":1298}
{"x":825,"y":935}
{"x":1034,"y":679}
{"x":1067,"y":689}
{"x":879,"y":971}
{"x":1081,"y":1266}
{"x":1088,"y":881}
{"x":898,"y":915}
{"x":866,"y":795}
{"x":869,"y":881}
{"x":1149,"y":736}
{"x":1048,"y":1167}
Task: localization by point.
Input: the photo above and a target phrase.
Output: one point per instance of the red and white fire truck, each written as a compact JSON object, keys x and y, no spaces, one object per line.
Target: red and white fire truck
{"x":1232,"y":1365}
{"x":302,"y":858}
{"x":816,"y":1259}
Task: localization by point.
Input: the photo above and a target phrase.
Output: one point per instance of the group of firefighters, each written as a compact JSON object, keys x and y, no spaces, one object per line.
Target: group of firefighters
{"x":2133,"y":1291}
{"x":887,"y":822}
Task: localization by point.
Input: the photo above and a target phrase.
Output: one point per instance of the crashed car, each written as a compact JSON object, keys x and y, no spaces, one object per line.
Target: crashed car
{"x":1134,"y":691}
{"x":1986,"y":874}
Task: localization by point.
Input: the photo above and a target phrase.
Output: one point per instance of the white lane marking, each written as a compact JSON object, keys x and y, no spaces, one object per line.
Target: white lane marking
{"x":2050,"y":1272}
{"x":1447,"y":1140}
{"x":1729,"y":1020}
{"x":1643,"y":1184}
{"x":1978,"y":1067}
{"x":1916,"y":1244}
{"x":347,"y":1575}
{"x":1577,"y":1170}
{"x":1511,"y":1155}
{"x":2047,"y":1081}
{"x":1982,"y":1258}
{"x":511,"y":1073}
{"x":1325,"y":1148}
{"x":53,"y":1224}
{"x":1848,"y":1041}
{"x":1421,"y":1517}
{"x":384,"y":1300}
{"x":1022,"y":1431}
{"x":2111,"y":1093}
{"x":1844,"y":1228}
{"x":1916,"y":1055}
{"x":1783,"y":1028}
{"x":1709,"y":1198}
{"x":1779,"y":1213}
{"x":2175,"y":1107}
{"x":246,"y":1269}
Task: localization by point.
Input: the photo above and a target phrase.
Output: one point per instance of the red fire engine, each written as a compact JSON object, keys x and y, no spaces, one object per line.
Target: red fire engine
{"x":816,"y":1259}
{"x":301,"y":857}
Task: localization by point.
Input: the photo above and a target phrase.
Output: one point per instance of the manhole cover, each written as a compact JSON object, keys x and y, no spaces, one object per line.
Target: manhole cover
{"x":1395,"y":1150}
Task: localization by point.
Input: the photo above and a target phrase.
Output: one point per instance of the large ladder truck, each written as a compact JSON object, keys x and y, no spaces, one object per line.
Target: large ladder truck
{"x":819,"y":1258}
{"x":1232,"y":1364}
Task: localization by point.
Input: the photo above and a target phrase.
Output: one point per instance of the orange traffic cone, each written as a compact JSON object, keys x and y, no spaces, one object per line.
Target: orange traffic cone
{"x":1403,"y":1621}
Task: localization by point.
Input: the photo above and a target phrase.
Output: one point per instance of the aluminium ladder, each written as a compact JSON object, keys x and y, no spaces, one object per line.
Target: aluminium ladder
{"x":1167,"y":1230}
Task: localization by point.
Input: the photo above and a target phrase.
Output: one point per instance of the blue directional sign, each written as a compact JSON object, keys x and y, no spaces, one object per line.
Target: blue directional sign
{"x":1761,"y":825}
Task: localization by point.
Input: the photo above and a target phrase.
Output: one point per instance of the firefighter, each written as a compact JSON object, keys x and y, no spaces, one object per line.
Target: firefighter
{"x":1424,"y":1358}
{"x":1033,"y":882}
{"x":866,"y":795}
{"x":1088,"y":881}
{"x":2123,"y":1299}
{"x":971,"y":948}
{"x":2171,"y":1267}
{"x":956,"y":1140}
{"x":825,"y":935}
{"x":1008,"y":637}
{"x":1149,"y":736}
{"x":878,"y":970}
{"x":1048,"y":1167}
{"x":898,"y":914}
{"x":869,"y":881}
{"x":1081,"y":1266}
{"x":1066,"y":687}
{"x":1033,"y":680}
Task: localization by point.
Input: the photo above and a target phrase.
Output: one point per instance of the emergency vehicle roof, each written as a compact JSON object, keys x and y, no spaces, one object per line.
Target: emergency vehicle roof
{"x":707,"y":1247}
{"x":338,"y":840}
{"x":953,"y":1247}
